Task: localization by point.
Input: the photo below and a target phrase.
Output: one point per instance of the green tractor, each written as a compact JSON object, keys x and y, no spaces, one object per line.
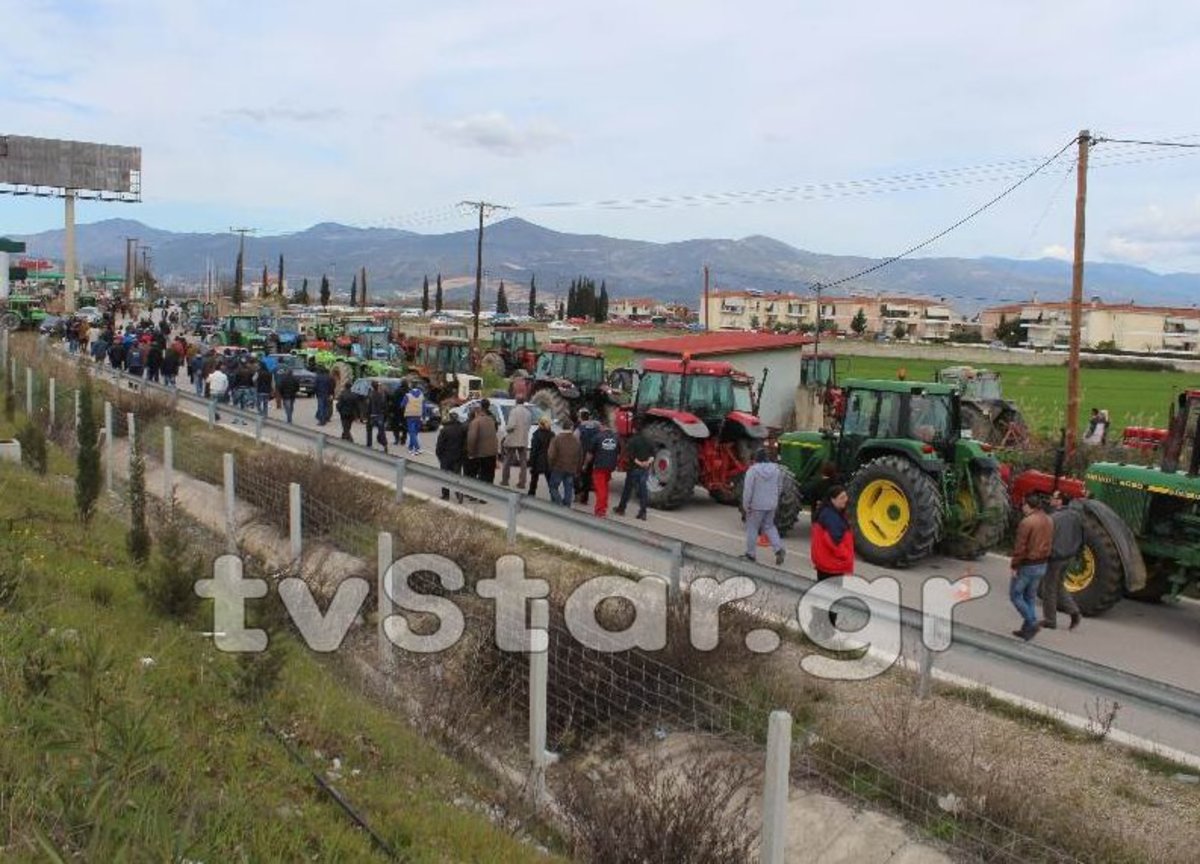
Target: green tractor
{"x":21,"y":312}
{"x":240,"y":331}
{"x":1154,"y":553}
{"x":915,"y":483}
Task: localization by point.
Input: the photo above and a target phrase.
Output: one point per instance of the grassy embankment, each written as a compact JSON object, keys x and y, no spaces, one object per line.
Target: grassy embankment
{"x":125,"y":737}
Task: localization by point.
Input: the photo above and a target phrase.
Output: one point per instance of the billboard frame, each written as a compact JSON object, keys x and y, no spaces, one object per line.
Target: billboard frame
{"x":41,"y":167}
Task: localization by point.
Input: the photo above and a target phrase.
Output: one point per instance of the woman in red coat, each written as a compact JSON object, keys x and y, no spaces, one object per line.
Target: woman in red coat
{"x":832,"y":541}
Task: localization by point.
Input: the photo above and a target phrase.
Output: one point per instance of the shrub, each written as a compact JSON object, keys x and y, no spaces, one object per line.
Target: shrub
{"x":32,"y":439}
{"x":87,"y":458}
{"x":137,"y":541}
{"x":102,"y":594}
{"x":169,"y":584}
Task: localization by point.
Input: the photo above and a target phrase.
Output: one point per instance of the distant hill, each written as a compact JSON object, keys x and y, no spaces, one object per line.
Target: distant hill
{"x":515,"y":250}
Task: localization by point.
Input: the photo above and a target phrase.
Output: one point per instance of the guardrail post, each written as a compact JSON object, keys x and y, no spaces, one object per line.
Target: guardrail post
{"x":12,"y":371}
{"x":131,"y":423}
{"x":385,"y":555}
{"x":230,"y":503}
{"x":258,"y":429}
{"x":938,"y":627}
{"x":3,"y":348}
{"x":168,"y":464}
{"x":28,"y":391}
{"x":295,"y":526}
{"x":675,"y":555}
{"x":539,"y":673}
{"x":320,"y":448}
{"x":401,"y":470}
{"x":514,"y":507}
{"x":212,"y":413}
{"x":53,"y":395}
{"x":76,"y":409}
{"x":775,"y":787}
{"x":108,"y":446}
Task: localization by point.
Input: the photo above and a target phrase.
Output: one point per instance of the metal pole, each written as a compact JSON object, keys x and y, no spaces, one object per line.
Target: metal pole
{"x":385,"y":555}
{"x":675,"y":551}
{"x":212,"y":413}
{"x":28,"y":392}
{"x":775,"y":787}
{"x":1085,"y":140}
{"x":401,"y":470}
{"x":478,"y":283}
{"x":69,"y":252}
{"x":168,"y":464}
{"x":53,"y":394}
{"x":230,"y":503}
{"x":320,"y":448}
{"x":539,"y":673}
{"x":131,"y":423}
{"x":77,"y":409}
{"x":108,"y":446}
{"x":295,"y":526}
{"x":258,"y":429}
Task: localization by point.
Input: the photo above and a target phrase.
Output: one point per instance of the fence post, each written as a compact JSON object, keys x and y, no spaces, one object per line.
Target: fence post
{"x":258,"y":429}
{"x":385,"y":555}
{"x":539,"y":673}
{"x":28,"y":391}
{"x":168,"y":464}
{"x":76,"y":409}
{"x":320,"y":448}
{"x":212,"y":413}
{"x":675,"y":553}
{"x":401,"y":470}
{"x":131,"y":422}
{"x":937,"y":627}
{"x":53,"y":395}
{"x":108,"y":446}
{"x":294,"y":524}
{"x":514,"y":506}
{"x":230,"y":503}
{"x":775,"y":787}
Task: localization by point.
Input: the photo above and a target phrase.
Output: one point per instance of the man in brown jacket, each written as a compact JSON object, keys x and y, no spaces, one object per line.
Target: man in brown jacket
{"x":565,"y":457}
{"x":1030,"y":553}
{"x":482,"y":444}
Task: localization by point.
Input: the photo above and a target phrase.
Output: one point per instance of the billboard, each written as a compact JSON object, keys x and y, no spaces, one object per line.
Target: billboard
{"x":48,"y":166}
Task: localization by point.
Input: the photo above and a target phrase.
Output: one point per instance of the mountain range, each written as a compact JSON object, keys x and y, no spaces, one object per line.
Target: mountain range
{"x":516,"y":251}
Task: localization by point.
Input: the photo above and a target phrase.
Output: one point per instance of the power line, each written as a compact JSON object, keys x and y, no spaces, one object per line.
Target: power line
{"x":938,"y":236}
{"x":1148,"y":143}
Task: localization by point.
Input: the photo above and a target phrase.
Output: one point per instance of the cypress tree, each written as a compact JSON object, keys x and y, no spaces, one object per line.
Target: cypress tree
{"x":602,"y":304}
{"x":362,"y":287}
{"x":324,"y":290}
{"x":437,"y":298}
{"x":279,"y":287}
{"x":501,"y":300}
{"x":532,"y":297}
{"x":87,"y":459}
{"x":354,"y":290}
{"x":425,"y":294}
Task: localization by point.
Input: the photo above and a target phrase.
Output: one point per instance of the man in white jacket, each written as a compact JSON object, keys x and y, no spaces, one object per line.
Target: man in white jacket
{"x":760,"y":499}
{"x":516,"y":441}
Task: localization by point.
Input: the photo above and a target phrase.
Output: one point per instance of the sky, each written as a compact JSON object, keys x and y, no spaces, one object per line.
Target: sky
{"x":842,"y":128}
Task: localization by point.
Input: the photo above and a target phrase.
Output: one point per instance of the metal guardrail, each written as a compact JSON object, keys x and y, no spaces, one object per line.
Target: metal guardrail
{"x":678,"y":553}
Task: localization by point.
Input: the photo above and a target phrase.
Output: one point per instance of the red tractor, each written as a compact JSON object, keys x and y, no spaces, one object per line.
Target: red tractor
{"x":566,"y":377}
{"x":701,"y":419}
{"x":512,"y":348}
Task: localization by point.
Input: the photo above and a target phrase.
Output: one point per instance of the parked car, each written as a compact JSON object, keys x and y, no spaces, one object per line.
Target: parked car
{"x":277,"y":363}
{"x":500,"y":408}
{"x":563,"y":325}
{"x":90,"y":314}
{"x":52,"y":325}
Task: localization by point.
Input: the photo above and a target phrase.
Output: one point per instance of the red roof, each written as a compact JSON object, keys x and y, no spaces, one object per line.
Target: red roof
{"x":725,"y":342}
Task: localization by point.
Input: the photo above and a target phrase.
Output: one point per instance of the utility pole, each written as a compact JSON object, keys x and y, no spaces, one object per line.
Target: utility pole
{"x":146,"y":271}
{"x":484,"y":209}
{"x":239,"y":278}
{"x":130,"y":266}
{"x":706,"y":327}
{"x":1085,"y":140}
{"x":817,"y":332}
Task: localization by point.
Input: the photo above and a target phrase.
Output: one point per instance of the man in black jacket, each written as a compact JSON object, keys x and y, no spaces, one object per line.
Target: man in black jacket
{"x":323,"y":390}
{"x":289,"y":386}
{"x":347,"y":408}
{"x":451,"y":450}
{"x":1066,"y":546}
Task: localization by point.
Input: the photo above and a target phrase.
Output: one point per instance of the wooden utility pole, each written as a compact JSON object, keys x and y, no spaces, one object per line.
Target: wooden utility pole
{"x":130,"y":266}
{"x":706,"y":326}
{"x":1085,"y":140}
{"x":484,"y":209}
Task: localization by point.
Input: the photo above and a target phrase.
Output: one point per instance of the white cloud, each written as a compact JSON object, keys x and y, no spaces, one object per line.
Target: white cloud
{"x":1057,"y":250}
{"x":497,"y":134}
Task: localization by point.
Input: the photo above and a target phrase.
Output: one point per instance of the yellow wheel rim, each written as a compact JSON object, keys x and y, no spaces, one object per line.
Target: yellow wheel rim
{"x":1081,"y":572}
{"x":882,"y":513}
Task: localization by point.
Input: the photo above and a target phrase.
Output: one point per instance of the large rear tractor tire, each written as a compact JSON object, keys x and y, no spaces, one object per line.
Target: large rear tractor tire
{"x":985,"y":522}
{"x":553,"y":403}
{"x":1096,"y":579}
{"x":493,"y":363}
{"x":675,"y":469}
{"x":897,"y":512}
{"x":10,"y":321}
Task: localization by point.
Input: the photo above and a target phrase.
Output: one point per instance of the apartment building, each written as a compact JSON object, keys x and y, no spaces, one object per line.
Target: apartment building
{"x":1125,"y":326}
{"x":921,"y":318}
{"x":636,"y":308}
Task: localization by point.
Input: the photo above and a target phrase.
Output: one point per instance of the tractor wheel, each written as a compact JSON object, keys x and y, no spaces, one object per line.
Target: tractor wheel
{"x":1097,"y":578}
{"x":342,"y":374}
{"x":552,"y":402}
{"x":988,"y":519}
{"x":10,"y":321}
{"x":493,"y":363}
{"x":1158,"y":585}
{"x":675,"y":469}
{"x":896,"y":510}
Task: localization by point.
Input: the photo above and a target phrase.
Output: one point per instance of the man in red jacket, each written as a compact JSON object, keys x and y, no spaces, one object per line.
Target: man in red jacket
{"x":832,"y":540}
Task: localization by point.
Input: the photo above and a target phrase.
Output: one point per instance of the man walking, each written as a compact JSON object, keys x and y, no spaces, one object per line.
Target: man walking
{"x":347,"y":408}
{"x":413,"y":410}
{"x":516,"y":441}
{"x":601,"y":460}
{"x":482,"y":444}
{"x":586,"y":433}
{"x":323,"y":390}
{"x":760,"y":500}
{"x":289,"y":386}
{"x":450,"y":450}
{"x":377,"y":406}
{"x":564,"y":456}
{"x":1031,"y":551}
{"x":640,"y":455}
{"x":264,"y":386}
{"x":1065,"y":547}
{"x":218,"y":388}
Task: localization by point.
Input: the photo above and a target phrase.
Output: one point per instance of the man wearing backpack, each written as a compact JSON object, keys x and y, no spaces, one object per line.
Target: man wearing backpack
{"x":1065,"y":547}
{"x":600,"y":461}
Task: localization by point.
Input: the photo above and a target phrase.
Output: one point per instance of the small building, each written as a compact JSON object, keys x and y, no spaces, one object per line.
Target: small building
{"x":775,"y":355}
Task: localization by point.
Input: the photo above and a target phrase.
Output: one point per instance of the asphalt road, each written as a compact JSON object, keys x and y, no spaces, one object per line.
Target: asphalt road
{"x":1160,"y":642}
